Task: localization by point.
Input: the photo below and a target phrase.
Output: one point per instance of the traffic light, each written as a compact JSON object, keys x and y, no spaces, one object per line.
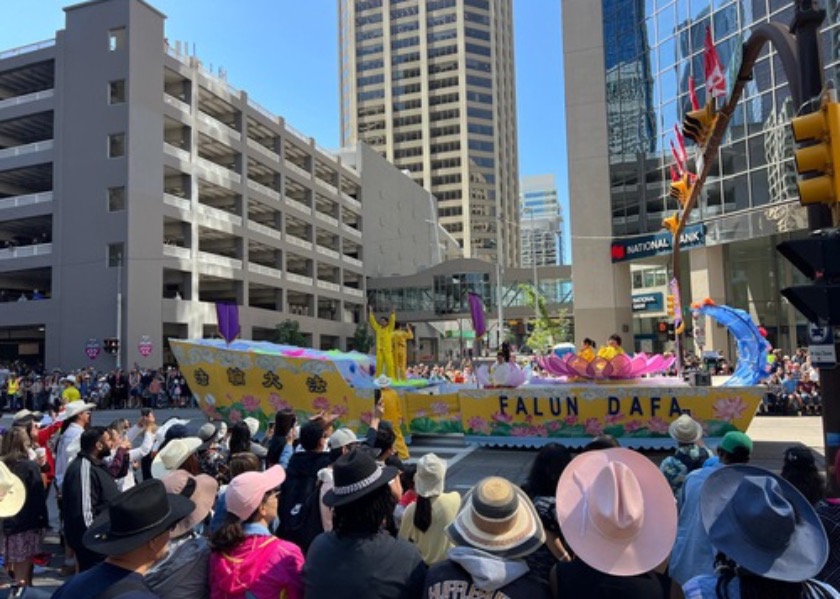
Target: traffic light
{"x":698,"y":124}
{"x":681,"y":189}
{"x":671,"y":333}
{"x":669,"y":304}
{"x":816,"y":155}
{"x":816,"y":257}
{"x":671,"y":223}
{"x":112,"y":345}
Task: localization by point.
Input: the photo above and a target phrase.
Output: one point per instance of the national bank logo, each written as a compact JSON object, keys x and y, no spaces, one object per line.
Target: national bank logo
{"x":632,"y":248}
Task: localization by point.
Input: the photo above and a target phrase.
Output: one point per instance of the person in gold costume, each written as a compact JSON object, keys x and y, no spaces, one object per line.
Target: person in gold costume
{"x":384,"y":331}
{"x":611,"y":349}
{"x":587,"y":352}
{"x":392,"y":412}
{"x":402,"y":336}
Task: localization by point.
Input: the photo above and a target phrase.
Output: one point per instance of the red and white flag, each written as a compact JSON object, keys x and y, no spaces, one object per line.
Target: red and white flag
{"x":715,"y":79}
{"x":692,"y":94}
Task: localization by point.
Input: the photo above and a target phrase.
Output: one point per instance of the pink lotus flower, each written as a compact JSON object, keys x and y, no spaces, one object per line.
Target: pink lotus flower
{"x":421,"y":413}
{"x":657,"y":425}
{"x":339,"y":410}
{"x":235,"y":415}
{"x":250,"y":403}
{"x":321,"y":404}
{"x":440,"y":408}
{"x":503,"y":418}
{"x":593,"y":427}
{"x":539,"y":431}
{"x":520,"y":430}
{"x":614,"y":418}
{"x":366,"y":417}
{"x":479,"y":424}
{"x":553,"y":426}
{"x":633,"y":426}
{"x":571,"y":420}
{"x":278,"y":403}
{"x":729,"y":408}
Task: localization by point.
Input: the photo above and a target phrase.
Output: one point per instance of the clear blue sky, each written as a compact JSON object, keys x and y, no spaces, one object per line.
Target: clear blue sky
{"x":285,"y":54}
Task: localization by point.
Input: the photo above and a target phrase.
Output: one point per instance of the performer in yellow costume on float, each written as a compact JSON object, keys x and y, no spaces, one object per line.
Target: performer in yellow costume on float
{"x":384,"y":331}
{"x":392,"y":412}
{"x":402,"y":336}
{"x":611,"y":349}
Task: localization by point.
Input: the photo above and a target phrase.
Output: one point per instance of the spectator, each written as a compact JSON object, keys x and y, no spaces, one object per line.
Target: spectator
{"x":210,"y":459}
{"x":770,"y":541}
{"x":87,"y":491}
{"x":253,"y":431}
{"x":693,"y":553}
{"x":409,"y":494}
{"x":24,"y":532}
{"x":341,"y":442}
{"x":76,"y":420}
{"x":241,"y":440}
{"x":133,"y":533}
{"x":496,"y":527}
{"x":617,"y":514}
{"x":178,"y":454}
{"x":829,"y":512}
{"x":689,"y":455}
{"x":184,"y":573}
{"x":247,"y":560}
{"x":425,"y":521}
{"x":541,"y":488}
{"x":357,"y":559}
{"x":281,"y":447}
{"x":239,"y":463}
{"x":69,"y":393}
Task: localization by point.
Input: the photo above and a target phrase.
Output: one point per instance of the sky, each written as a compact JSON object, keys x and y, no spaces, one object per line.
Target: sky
{"x":284,"y":53}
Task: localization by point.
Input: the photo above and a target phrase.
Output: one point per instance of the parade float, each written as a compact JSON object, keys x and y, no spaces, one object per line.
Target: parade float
{"x":625,"y":397}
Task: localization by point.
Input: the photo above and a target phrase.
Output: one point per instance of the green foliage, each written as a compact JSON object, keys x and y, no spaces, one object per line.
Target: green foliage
{"x":548,"y":330}
{"x":288,"y":333}
{"x":362,"y":338}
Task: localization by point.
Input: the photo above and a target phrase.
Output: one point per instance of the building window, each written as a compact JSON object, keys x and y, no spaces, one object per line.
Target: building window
{"x":116,"y":199}
{"x":116,"y":145}
{"x":116,"y":92}
{"x":115,"y":254}
{"x":116,"y":39}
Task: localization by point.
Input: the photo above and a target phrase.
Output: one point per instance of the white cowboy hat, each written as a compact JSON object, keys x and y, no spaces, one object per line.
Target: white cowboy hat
{"x":74,"y":408}
{"x":382,"y":381}
{"x":170,"y":458}
{"x":70,"y":378}
{"x":253,"y":425}
{"x":12,"y":492}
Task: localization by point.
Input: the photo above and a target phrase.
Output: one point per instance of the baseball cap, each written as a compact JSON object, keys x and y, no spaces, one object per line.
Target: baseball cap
{"x":733,"y":440}
{"x":245,"y":492}
{"x":342,"y":437}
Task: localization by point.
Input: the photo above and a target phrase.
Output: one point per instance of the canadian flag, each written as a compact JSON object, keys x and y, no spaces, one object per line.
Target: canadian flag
{"x":715,"y":79}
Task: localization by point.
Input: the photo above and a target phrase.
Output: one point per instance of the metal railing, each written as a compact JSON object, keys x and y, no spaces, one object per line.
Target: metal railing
{"x":300,"y":279}
{"x":176,"y":251}
{"x":265,"y":270}
{"x":217,"y":260}
{"x":297,"y":134}
{"x":47,"y":93}
{"x":264,"y":189}
{"x":267,"y":231}
{"x":26,"y":251}
{"x":177,"y":103}
{"x":26,"y":200}
{"x":27,"y":48}
{"x":38,"y":146}
{"x":177,"y":202}
{"x":218,"y":126}
{"x":262,"y":110}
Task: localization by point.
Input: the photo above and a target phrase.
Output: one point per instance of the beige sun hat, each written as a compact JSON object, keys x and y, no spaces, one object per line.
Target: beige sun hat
{"x":12,"y":492}
{"x":170,"y":458}
{"x":201,"y":490}
{"x":685,"y":429}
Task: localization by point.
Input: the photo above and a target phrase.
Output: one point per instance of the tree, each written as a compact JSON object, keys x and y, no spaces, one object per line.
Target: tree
{"x":362,"y":338}
{"x":288,"y":333}
{"x":548,"y":331}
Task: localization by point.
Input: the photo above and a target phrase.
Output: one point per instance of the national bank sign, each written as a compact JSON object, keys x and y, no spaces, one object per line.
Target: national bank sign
{"x":632,"y":248}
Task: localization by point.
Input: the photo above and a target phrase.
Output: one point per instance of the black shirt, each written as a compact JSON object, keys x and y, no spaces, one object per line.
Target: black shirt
{"x":576,"y":580}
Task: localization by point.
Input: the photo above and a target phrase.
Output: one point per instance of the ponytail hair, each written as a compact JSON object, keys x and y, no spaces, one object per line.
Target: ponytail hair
{"x":230,"y":534}
{"x":422,"y":513}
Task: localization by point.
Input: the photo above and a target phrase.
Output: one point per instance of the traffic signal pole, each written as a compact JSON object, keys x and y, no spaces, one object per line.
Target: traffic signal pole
{"x":806,"y":23}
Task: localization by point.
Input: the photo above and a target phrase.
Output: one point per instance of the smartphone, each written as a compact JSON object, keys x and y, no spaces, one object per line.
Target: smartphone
{"x":377,"y":395}
{"x":145,"y":412}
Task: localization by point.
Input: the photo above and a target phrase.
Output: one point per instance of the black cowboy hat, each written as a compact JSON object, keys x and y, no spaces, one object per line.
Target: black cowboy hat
{"x":136,"y":517}
{"x":357,"y":474}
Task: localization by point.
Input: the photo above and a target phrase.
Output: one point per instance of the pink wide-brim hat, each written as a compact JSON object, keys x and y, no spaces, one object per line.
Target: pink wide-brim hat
{"x":617,"y":511}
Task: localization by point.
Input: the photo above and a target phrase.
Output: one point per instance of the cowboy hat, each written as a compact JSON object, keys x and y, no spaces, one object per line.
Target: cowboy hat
{"x":135,"y":517}
{"x":763,"y":523}
{"x":245,"y":492}
{"x":201,"y":490}
{"x":253,"y":425}
{"x":25,"y":417}
{"x":382,"y":381}
{"x":497,"y":517}
{"x":12,"y":492}
{"x":685,"y":430}
{"x":76,"y":407}
{"x":176,"y":452}
{"x":357,"y":474}
{"x":617,"y":511}
{"x":70,"y":378}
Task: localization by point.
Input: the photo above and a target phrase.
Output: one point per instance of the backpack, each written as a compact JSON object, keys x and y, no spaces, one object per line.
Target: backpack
{"x":300,"y":510}
{"x":693,"y":464}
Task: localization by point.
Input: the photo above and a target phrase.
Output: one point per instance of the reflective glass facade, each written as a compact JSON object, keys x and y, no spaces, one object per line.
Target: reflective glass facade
{"x":651,"y":48}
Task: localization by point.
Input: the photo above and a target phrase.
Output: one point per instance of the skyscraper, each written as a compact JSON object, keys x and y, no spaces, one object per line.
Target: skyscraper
{"x":541,"y":222}
{"x":430,"y":85}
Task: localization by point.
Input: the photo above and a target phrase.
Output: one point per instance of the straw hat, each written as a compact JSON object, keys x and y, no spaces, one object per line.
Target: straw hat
{"x":176,"y":452}
{"x":617,"y":511}
{"x":685,"y":430}
{"x":12,"y":492}
{"x":497,"y":517}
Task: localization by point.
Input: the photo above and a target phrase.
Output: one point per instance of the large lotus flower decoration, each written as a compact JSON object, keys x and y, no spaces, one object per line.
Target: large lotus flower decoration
{"x":621,"y":366}
{"x":516,"y":377}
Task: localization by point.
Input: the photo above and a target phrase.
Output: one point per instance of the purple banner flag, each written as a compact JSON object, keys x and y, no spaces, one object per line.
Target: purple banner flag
{"x":227,"y":316}
{"x":477,"y":313}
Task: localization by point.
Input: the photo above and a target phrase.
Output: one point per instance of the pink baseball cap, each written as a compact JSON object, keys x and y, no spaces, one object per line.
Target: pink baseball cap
{"x":245,"y":492}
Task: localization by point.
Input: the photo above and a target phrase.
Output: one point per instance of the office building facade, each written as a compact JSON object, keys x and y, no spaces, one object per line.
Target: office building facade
{"x":627,"y":65}
{"x":541,"y":222}
{"x":429,"y":84}
{"x":137,"y":190}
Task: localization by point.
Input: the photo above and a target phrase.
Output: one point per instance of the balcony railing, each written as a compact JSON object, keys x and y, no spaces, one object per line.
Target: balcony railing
{"x":352,"y":201}
{"x":328,"y":286}
{"x":353,"y":291}
{"x":173,"y":200}
{"x":301,"y":243}
{"x":300,"y":171}
{"x":262,"y":110}
{"x":211,"y":166}
{"x":218,"y":126}
{"x":353,"y":261}
{"x":264,"y":189}
{"x":218,"y":214}
{"x":300,"y":279}
{"x":298,"y":206}
{"x":267,"y":231}
{"x":217,"y":260}
{"x":176,"y":152}
{"x":26,"y":200}
{"x":267,"y":153}
{"x":326,"y":218}
{"x":176,"y":251}
{"x":351,"y":230}
{"x":47,"y":93}
{"x":26,"y":251}
{"x":327,"y":252}
{"x":177,"y":103}
{"x":38,"y":146}
{"x":265,"y":270}
{"x":297,"y":134}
